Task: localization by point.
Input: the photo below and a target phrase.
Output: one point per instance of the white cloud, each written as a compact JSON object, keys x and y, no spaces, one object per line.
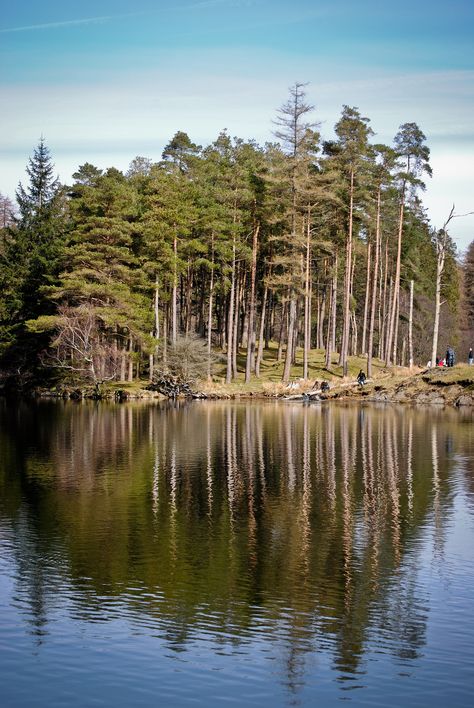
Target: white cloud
{"x":66,"y":23}
{"x":109,"y":124}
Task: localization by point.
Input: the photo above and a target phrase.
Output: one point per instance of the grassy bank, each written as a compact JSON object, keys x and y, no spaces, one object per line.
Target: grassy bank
{"x":271,"y":371}
{"x":440,"y":386}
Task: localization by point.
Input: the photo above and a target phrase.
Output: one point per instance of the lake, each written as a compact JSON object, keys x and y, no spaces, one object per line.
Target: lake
{"x":241,"y":554}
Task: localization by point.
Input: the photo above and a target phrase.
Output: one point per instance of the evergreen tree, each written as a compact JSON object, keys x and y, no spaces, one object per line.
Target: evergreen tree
{"x":101,"y":289}
{"x":31,"y":259}
{"x":413,"y":156}
{"x":467,"y":311}
{"x":350,"y":156}
{"x":300,"y":144}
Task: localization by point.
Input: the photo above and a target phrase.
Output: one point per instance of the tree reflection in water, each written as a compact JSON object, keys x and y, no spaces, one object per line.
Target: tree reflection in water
{"x":302,"y":525}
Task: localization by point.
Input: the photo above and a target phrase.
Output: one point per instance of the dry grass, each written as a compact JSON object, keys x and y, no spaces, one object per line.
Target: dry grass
{"x":271,"y":371}
{"x":460,"y":373}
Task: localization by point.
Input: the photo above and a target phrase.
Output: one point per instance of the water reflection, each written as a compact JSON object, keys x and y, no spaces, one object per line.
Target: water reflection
{"x":298,"y":525}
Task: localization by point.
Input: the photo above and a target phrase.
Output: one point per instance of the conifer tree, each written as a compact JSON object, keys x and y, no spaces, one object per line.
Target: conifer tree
{"x":100,"y":283}
{"x":414,"y":155}
{"x":299,"y":141}
{"x":350,"y":154}
{"x":32,"y":255}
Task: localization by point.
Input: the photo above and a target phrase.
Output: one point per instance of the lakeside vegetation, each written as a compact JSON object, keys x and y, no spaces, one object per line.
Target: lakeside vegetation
{"x":307,"y":257}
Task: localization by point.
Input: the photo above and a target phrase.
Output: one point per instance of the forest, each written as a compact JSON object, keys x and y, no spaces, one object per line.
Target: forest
{"x":231,"y":250}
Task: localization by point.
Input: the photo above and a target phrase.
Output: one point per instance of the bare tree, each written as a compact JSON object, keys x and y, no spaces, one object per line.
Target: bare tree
{"x":441,"y":242}
{"x":80,"y":347}
{"x":189,"y":359}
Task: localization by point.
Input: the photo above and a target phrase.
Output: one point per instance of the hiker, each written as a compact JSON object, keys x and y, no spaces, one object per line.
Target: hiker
{"x":361,"y":378}
{"x":450,"y":356}
{"x":470,"y":357}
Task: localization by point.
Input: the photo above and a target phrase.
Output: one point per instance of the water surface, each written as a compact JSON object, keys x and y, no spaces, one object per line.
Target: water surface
{"x":242,"y":554}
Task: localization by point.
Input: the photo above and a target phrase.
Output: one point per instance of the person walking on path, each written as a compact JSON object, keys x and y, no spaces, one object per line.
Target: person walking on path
{"x":470,"y":357}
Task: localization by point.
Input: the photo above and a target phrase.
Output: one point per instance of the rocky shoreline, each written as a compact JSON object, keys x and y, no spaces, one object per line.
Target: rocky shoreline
{"x":449,"y":387}
{"x":438,"y":387}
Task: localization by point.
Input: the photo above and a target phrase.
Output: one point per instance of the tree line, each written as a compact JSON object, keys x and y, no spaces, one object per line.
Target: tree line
{"x":302,"y":243}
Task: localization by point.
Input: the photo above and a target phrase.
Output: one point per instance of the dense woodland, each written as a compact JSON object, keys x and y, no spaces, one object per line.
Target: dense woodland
{"x":299,"y":244}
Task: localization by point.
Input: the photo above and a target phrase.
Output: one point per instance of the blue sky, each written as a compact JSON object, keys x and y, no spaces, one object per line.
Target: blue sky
{"x":105,"y":81}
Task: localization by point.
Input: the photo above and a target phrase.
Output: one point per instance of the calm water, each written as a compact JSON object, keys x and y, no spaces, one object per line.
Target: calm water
{"x":235,"y":554}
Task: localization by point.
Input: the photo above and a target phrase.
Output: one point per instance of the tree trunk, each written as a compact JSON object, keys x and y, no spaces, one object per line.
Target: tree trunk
{"x":322,"y":319}
{"x":189,"y":290}
{"x":130,"y":360}
{"x":289,"y":339}
{"x":250,"y":363}
{"x":441,"y":253}
{"x":347,"y":285}
{"x":156,"y":331}
{"x":387,"y":326}
{"x":174,"y":323}
{"x":331,"y":332}
{"x":410,"y":327}
{"x":395,"y":332}
{"x":261,"y":333}
{"x":209,"y":317}
{"x":367,"y":297}
{"x":236,"y":338}
{"x":383,"y":321}
{"x":165,"y":336}
{"x":396,"y":285}
{"x":307,"y":299}
{"x":284,"y":317}
{"x":370,"y":343}
{"x":123,"y":364}
{"x":230,"y":318}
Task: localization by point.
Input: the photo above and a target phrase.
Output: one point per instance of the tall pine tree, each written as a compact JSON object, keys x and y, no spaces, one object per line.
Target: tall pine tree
{"x":31,"y":261}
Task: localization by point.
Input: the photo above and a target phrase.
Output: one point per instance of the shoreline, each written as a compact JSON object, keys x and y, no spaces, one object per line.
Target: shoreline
{"x":440,"y":387}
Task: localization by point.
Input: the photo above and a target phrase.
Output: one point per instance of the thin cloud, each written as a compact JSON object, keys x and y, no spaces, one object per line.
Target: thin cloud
{"x":67,"y":23}
{"x":214,"y":3}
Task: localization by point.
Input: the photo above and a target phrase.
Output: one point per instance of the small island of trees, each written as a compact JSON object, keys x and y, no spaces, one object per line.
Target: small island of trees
{"x":234,"y":247}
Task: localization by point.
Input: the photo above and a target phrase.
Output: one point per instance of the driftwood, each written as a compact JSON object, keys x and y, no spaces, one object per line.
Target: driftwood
{"x":171,"y":387}
{"x":315,"y":394}
{"x":309,"y":396}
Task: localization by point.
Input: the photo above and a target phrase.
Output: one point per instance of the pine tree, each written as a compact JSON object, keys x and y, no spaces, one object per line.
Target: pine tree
{"x":414,"y":156}
{"x":300,"y":144}
{"x":100,"y":289}
{"x":350,"y":156}
{"x":31,"y":258}
{"x":468,"y":298}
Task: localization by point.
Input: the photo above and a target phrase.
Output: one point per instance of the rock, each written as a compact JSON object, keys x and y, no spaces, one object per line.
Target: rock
{"x":381,"y":396}
{"x":464,"y":400}
{"x":431,"y":397}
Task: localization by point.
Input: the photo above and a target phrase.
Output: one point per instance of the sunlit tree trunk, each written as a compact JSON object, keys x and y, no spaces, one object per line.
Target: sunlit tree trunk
{"x":331,"y":330}
{"x":347,"y":285}
{"x":396,"y":285}
{"x":410,"y":327}
{"x":250,"y":363}
{"x":230,"y":318}
{"x":261,"y":333}
{"x":307,"y":297}
{"x":370,"y":344}
{"x":174,"y":321}
{"x":367,"y":297}
{"x":290,"y":338}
